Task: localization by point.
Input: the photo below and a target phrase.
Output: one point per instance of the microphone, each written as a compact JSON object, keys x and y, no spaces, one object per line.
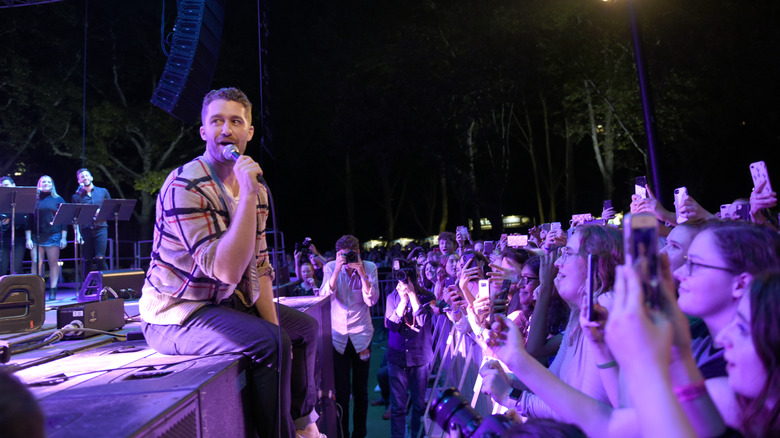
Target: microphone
{"x":230,"y":152}
{"x":81,"y":186}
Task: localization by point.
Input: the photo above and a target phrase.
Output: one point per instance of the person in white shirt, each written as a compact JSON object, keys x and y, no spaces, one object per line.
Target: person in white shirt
{"x":353,"y":287}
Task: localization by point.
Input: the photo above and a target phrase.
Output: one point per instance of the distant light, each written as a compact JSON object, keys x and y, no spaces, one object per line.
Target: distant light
{"x":373,"y":243}
{"x":403,"y":241}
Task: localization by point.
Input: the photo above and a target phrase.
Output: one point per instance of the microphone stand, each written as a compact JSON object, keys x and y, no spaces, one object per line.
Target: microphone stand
{"x":38,"y":262}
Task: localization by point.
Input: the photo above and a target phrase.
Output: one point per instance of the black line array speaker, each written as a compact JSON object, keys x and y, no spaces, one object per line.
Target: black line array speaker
{"x":22,"y":303}
{"x":127,"y":284}
{"x":189,"y":70}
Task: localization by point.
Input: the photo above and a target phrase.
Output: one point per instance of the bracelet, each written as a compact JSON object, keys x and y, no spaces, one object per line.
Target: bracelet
{"x":690,"y":392}
{"x":604,"y":366}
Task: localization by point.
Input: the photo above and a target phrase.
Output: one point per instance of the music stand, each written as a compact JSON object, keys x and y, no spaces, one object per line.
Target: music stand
{"x":16,"y":200}
{"x":116,"y":210}
{"x":75,"y":214}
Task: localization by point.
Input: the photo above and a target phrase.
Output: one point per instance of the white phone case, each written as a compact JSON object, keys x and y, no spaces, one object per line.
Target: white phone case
{"x":679,"y":196}
{"x":759,"y":173}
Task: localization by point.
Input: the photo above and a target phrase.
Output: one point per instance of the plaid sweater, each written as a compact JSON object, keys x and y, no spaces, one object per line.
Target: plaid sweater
{"x":191,"y":217}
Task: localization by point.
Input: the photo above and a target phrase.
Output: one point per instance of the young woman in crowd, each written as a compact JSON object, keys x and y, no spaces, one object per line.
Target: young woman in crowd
{"x":574,"y":365}
{"x":309,"y":282}
{"x":721,"y":262}
{"x":48,"y":238}
{"x":752,"y":344}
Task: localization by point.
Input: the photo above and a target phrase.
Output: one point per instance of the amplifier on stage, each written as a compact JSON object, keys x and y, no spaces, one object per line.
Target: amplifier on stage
{"x":22,"y":304}
{"x":97,"y":315}
{"x":126,"y":283}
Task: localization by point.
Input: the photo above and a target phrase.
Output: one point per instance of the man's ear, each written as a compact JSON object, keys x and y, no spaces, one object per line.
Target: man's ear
{"x":203,"y":133}
{"x":741,"y":285}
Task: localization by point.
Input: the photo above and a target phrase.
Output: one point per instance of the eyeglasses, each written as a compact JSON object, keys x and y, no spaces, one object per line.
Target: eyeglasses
{"x":566,"y":252}
{"x":689,"y":266}
{"x":524,"y":280}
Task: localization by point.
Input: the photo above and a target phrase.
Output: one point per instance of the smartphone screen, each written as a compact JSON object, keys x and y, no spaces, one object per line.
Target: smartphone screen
{"x":641,"y":242}
{"x":640,"y":186}
{"x":555,"y":226}
{"x":487,"y":247}
{"x":502,"y":294}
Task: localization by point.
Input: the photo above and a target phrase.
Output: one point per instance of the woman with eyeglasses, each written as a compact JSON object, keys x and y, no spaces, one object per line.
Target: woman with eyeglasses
{"x":721,"y":262}
{"x":671,"y":397}
{"x":575,"y":365}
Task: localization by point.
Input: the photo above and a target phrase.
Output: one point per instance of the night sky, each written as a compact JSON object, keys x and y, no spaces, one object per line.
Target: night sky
{"x":394,"y":86}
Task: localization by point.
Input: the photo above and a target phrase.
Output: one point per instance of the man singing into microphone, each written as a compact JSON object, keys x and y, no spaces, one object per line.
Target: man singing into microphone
{"x":208,"y":289}
{"x":93,"y":236}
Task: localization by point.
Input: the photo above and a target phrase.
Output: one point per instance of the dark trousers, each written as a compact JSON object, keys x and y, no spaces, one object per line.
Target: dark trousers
{"x":5,"y":255}
{"x":383,"y":379}
{"x":221,"y":329}
{"x":94,"y":248}
{"x":405,"y":380}
{"x":343,"y":364}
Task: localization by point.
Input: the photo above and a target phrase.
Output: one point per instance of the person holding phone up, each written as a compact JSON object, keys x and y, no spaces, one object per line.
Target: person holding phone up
{"x":408,"y":318}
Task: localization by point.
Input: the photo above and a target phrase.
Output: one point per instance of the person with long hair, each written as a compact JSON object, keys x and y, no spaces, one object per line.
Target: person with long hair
{"x":752,"y":344}
{"x":575,"y":364}
{"x":664,"y":406}
{"x":720,"y":263}
{"x":49,"y":239}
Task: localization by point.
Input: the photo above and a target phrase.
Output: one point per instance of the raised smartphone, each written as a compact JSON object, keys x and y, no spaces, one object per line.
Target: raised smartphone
{"x":484,"y":288}
{"x":724,"y":211}
{"x":760,"y":174}
{"x":680,"y":194}
{"x":641,"y":245}
{"x":502,"y":294}
{"x":487,"y":247}
{"x":590,"y":286}
{"x":517,"y":240}
{"x":640,"y":186}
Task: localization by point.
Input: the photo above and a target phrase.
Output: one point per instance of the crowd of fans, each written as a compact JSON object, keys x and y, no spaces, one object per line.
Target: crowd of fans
{"x":702,"y":358}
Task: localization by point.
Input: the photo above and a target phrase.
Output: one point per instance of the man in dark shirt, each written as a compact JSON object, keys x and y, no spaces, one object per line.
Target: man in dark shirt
{"x":408,"y":317}
{"x":93,"y":237}
{"x":18,"y":241}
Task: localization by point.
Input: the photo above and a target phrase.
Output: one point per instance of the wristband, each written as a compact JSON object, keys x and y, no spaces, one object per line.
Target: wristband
{"x":604,"y":366}
{"x":690,"y":392}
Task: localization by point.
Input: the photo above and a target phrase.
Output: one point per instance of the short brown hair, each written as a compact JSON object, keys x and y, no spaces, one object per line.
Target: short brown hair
{"x":348,"y":241}
{"x":230,"y":94}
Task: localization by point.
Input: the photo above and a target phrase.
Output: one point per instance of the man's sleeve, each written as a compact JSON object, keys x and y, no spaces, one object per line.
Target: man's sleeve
{"x":327,"y":272}
{"x":373,"y":278}
{"x":392,"y":320}
{"x":194,"y":222}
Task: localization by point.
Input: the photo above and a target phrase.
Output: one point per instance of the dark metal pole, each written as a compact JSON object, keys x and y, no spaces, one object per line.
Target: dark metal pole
{"x":647,"y":103}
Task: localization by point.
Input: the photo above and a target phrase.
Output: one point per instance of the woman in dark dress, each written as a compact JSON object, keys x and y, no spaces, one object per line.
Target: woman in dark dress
{"x":48,"y":238}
